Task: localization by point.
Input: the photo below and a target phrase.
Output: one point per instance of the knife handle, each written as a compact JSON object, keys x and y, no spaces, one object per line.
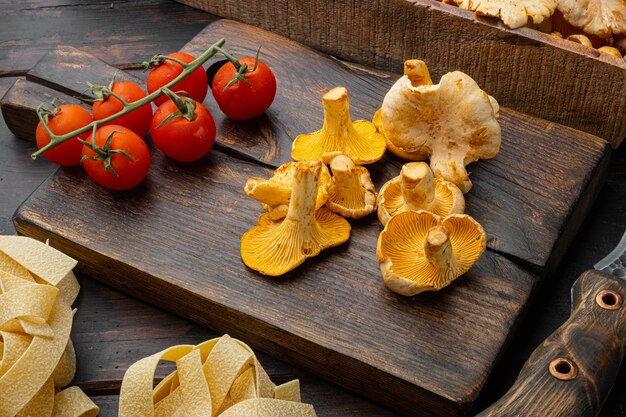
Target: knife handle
{"x":572,"y":372}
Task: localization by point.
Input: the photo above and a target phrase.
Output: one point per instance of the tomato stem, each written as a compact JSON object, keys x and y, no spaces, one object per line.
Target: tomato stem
{"x":231,"y":58}
{"x":129,"y":107}
{"x":44,"y":115}
{"x":158,"y":59}
{"x":186,"y":107}
{"x":241,"y":69}
{"x":105,"y":153}
{"x":101,"y":93}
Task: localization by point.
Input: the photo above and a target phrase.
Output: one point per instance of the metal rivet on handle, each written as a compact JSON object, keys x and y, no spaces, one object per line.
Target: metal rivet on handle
{"x":609,"y":300}
{"x":563,"y":369}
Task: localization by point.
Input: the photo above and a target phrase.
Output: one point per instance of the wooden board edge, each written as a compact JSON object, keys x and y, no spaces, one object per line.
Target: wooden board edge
{"x":259,"y":334}
{"x":13,"y":114}
{"x":323,"y":31}
{"x":594,"y":183}
{"x":38,"y":73}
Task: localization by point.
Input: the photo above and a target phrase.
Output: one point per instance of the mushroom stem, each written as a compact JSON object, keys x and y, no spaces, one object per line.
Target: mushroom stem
{"x":416,"y":183}
{"x":337,"y":112}
{"x":417,"y":72}
{"x":304,"y":193}
{"x":581,"y":39}
{"x":268,"y":192}
{"x":347,"y":180}
{"x":437,"y":247}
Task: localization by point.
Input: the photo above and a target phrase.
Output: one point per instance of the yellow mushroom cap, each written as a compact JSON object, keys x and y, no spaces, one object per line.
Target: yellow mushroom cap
{"x":513,"y":13}
{"x":276,"y":247}
{"x":417,"y":251}
{"x":602,"y":18}
{"x":359,"y":140}
{"x":581,"y":39}
{"x":352,"y":194}
{"x":611,"y":51}
{"x":274,"y":193}
{"x":454,"y":122}
{"x":416,"y":189}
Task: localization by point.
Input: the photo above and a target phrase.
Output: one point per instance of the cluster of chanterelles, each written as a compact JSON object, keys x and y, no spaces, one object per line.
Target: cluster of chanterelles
{"x":303,"y":202}
{"x":427,"y":241}
{"x":594,"y":23}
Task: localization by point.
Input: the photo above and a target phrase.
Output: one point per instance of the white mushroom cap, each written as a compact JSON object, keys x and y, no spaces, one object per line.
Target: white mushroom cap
{"x":602,"y":18}
{"x":514,"y":13}
{"x":455,"y":121}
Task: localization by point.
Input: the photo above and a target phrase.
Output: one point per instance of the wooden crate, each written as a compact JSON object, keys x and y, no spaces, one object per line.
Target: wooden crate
{"x":524,"y":69}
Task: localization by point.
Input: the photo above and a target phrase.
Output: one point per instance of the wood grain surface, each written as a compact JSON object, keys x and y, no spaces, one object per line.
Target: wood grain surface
{"x":572,"y":372}
{"x":124,"y":32}
{"x":527,"y":70}
{"x":19,"y":176}
{"x":599,"y":234}
{"x":178,"y":248}
{"x":333,"y":315}
{"x":70,"y":70}
{"x":538,"y":211}
{"x":19,"y":106}
{"x":111,"y":331}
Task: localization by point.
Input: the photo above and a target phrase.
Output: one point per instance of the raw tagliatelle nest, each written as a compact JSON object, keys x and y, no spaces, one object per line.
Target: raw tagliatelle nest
{"x":221,"y":377}
{"x":37,"y":359}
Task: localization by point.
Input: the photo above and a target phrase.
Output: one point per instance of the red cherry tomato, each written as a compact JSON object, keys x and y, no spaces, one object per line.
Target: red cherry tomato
{"x":69,"y":118}
{"x":179,"y":138}
{"x":129,"y":172}
{"x":196,"y":84}
{"x":138,"y":120}
{"x":242,"y":101}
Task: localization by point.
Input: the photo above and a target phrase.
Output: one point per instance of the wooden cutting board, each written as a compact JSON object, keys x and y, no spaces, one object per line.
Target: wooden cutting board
{"x":174,"y":240}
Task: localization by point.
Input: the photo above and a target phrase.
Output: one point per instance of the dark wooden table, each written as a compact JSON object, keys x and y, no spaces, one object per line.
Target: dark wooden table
{"x":112,"y":330}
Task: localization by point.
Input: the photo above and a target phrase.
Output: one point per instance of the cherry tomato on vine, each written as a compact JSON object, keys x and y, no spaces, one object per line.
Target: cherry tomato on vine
{"x":179,"y":138}
{"x":138,"y":120}
{"x":121,"y":160}
{"x":196,"y":84}
{"x":244,"y":100}
{"x":64,"y":119}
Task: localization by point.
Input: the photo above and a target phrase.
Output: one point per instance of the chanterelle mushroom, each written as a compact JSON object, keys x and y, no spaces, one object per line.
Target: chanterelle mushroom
{"x":417,"y":251}
{"x":276,"y":247}
{"x":581,"y":39}
{"x":418,"y":74}
{"x":416,"y":189}
{"x":274,"y":193}
{"x":339,"y":135}
{"x":353,"y":194}
{"x":454,"y":122}
{"x":514,"y":13}
{"x":595,"y":17}
{"x":611,"y":51}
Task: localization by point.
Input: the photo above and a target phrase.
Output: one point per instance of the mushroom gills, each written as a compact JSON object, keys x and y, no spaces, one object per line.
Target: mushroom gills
{"x":276,"y":247}
{"x":353,"y":194}
{"x":417,"y":251}
{"x":417,"y":189}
